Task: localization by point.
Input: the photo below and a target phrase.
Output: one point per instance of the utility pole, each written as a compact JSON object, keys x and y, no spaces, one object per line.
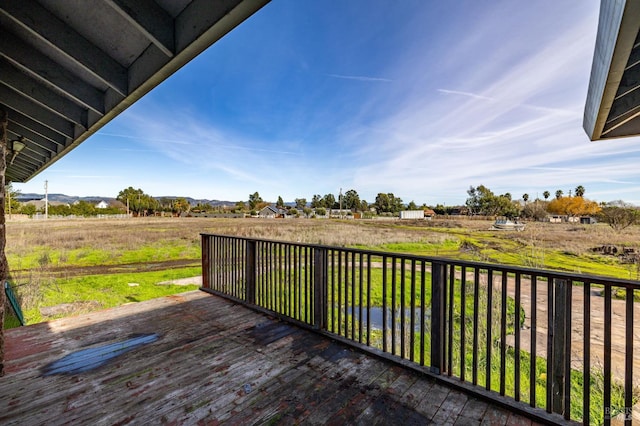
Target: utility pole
{"x":340,"y":200}
{"x":46,"y":199}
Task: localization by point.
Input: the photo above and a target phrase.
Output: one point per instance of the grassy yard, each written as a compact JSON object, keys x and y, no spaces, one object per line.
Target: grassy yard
{"x":91,"y":262}
{"x":67,"y":267}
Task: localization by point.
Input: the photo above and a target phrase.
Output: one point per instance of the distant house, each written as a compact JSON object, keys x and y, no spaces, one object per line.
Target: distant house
{"x":588,"y":220}
{"x":429,"y":214}
{"x":459,"y":211}
{"x":556,"y":218}
{"x":272,"y":212}
{"x":412,"y":214}
{"x":102,"y":205}
{"x":337,"y":213}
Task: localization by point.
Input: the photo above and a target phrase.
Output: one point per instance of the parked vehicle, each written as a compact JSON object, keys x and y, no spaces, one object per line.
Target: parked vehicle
{"x":508,"y":225}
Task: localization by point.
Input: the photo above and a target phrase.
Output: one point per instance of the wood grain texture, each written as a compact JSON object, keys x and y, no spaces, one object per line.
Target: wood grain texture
{"x":216,"y":363}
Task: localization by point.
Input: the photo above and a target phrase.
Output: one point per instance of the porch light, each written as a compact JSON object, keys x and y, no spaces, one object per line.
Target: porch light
{"x":17,"y":146}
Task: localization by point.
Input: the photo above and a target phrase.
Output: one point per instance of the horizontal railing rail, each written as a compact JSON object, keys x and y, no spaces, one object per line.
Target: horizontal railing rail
{"x":555,"y":345}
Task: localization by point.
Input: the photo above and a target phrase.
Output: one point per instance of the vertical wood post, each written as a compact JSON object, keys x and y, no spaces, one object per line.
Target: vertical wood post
{"x":320,"y":288}
{"x":438,"y":303}
{"x":4,"y":268}
{"x":250,"y":272}
{"x":559,"y":330}
{"x":206,"y":260}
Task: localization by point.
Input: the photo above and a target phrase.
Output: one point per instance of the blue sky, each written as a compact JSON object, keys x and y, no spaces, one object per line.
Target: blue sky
{"x":419,"y":98}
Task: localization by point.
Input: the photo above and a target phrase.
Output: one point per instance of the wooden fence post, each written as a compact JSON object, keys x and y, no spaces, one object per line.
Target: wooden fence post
{"x":250,"y":272}
{"x":558,"y":330}
{"x":206,"y":260}
{"x":438,"y":303}
{"x":4,"y":267}
{"x":320,"y":288}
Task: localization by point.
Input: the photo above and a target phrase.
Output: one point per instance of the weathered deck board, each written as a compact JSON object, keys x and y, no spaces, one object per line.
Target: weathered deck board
{"x":216,"y":362}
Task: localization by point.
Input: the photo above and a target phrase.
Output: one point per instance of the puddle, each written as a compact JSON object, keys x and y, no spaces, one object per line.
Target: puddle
{"x":91,"y":358}
{"x":376,"y":314}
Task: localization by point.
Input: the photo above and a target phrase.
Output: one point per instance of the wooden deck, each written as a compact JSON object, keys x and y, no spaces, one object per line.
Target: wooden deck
{"x":195,"y":358}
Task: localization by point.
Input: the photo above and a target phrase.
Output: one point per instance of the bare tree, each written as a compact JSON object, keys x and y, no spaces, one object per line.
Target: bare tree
{"x":619,"y":218}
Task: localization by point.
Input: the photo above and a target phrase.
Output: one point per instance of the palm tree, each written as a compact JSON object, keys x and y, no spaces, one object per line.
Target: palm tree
{"x":546,"y":195}
{"x":559,"y":194}
{"x":579,"y":191}
{"x":525,"y":197}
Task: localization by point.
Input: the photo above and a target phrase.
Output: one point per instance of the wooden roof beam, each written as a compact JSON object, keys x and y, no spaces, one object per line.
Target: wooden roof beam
{"x":57,"y":35}
{"x":44,"y":69}
{"x":42,"y":95}
{"x":151,"y":20}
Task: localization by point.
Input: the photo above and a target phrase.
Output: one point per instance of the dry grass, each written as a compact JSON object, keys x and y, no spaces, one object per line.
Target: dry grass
{"x":123,"y":234}
{"x":34,"y":247}
{"x":43,"y":253}
{"x":574,"y":238}
{"x":126,"y":234}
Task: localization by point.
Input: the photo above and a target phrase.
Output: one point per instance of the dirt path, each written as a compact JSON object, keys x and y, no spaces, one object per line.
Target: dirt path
{"x":77,"y":271}
{"x":618,"y":318}
{"x":597,"y":316}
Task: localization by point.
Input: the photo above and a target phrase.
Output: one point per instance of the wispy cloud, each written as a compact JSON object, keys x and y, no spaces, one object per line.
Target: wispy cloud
{"x":202,"y":128}
{"x":471,"y":95}
{"x":482,"y":94}
{"x":138,"y":137}
{"x":91,"y":176}
{"x":512,"y":131}
{"x":228,"y":157}
{"x":360,"y":78}
{"x":522,"y":105}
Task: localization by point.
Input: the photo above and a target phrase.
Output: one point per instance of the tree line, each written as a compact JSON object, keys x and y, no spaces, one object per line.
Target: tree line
{"x":480,"y":201}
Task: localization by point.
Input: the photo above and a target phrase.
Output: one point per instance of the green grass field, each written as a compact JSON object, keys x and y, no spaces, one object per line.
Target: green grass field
{"x":63,"y":268}
{"x":65,"y":261}
{"x":91,"y":292}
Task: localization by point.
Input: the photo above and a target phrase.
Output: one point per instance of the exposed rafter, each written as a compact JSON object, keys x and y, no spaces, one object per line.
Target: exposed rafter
{"x":69,"y":67}
{"x":42,"y":95}
{"x":49,"y":72}
{"x":36,"y":112}
{"x":150,"y":19}
{"x":54,"y":34}
{"x":613,"y":102}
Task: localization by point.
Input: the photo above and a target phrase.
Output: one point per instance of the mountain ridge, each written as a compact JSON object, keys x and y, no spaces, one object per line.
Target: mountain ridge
{"x":70,"y":199}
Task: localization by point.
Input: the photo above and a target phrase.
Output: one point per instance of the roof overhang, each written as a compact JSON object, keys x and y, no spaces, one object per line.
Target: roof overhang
{"x":612,"y":109}
{"x":69,"y":67}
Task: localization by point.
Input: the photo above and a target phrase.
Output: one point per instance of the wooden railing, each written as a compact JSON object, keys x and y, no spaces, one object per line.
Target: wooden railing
{"x":556,"y":346}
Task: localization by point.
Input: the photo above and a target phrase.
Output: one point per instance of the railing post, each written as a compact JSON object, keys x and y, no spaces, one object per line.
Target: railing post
{"x":206,"y":260}
{"x":250,"y":272}
{"x":320,"y":288}
{"x":438,"y":303}
{"x":558,"y":330}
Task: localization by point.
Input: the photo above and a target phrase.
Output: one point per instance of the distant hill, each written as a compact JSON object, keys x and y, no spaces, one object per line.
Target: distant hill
{"x":62,"y":198}
{"x":70,"y":199}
